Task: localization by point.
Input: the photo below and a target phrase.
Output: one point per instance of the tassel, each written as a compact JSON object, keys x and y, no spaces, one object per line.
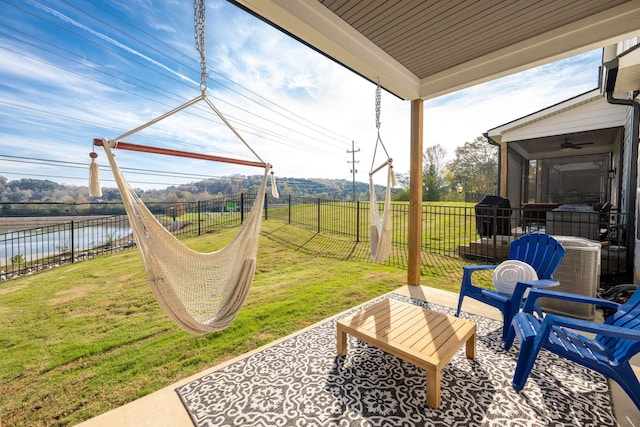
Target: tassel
{"x":274,"y":187}
{"x":392,"y":175}
{"x":94,"y":177}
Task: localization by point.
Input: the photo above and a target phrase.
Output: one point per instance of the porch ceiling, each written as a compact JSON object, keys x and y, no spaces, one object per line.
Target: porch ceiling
{"x":589,"y":142}
{"x":424,"y":49}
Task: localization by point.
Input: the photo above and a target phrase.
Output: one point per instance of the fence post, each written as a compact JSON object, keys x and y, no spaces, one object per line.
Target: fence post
{"x":494,"y":231}
{"x":289,"y":208}
{"x":72,"y":244}
{"x":199,"y":218}
{"x":318,"y":214}
{"x":241,"y":208}
{"x":266,"y":207}
{"x":357,"y":220}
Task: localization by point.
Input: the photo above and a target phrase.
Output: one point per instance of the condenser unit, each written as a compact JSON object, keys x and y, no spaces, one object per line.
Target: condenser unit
{"x":579,"y":273}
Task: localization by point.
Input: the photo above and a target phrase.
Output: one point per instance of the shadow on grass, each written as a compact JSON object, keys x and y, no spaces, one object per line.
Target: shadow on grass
{"x":313,"y":243}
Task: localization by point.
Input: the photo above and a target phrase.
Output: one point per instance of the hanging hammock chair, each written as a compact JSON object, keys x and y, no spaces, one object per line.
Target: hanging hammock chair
{"x":380,"y":229}
{"x":201,"y":292}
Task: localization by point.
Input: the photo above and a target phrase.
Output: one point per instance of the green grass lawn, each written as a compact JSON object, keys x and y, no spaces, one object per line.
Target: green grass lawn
{"x":81,"y":339}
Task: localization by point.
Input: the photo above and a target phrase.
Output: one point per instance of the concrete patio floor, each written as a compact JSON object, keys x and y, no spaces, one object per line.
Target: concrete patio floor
{"x":164,"y":408}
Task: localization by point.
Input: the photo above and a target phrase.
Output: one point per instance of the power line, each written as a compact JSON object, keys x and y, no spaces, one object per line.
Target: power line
{"x":278,"y":137}
{"x":77,"y":165}
{"x":147,"y":34}
{"x":173,"y":77}
{"x":293,"y":131}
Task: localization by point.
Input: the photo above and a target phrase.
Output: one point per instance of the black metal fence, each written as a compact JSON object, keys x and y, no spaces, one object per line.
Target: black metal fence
{"x":473,"y":232}
{"x":34,"y":243}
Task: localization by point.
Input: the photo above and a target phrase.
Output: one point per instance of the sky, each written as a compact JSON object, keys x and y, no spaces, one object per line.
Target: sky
{"x":75,"y":70}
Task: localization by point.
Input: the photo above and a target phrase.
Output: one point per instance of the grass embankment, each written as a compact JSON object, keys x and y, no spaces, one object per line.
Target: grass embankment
{"x":85,"y":338}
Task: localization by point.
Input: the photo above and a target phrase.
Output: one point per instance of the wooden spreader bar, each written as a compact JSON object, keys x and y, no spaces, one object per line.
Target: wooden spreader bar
{"x":388,"y":162}
{"x":179,"y":153}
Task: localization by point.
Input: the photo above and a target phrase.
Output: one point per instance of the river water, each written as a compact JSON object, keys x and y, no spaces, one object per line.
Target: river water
{"x":36,"y":243}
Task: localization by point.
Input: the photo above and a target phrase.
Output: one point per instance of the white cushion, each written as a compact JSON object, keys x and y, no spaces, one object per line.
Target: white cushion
{"x":509,"y":273}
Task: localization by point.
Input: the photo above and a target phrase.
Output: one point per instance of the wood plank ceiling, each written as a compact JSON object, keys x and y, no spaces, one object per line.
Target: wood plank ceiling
{"x":427,"y":48}
{"x":428,"y":37}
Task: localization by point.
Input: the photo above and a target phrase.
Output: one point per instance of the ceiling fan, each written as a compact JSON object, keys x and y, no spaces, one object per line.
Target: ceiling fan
{"x":568,"y":144}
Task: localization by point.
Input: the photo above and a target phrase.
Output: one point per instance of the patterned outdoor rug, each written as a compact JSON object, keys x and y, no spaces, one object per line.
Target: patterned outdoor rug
{"x":302,"y":382}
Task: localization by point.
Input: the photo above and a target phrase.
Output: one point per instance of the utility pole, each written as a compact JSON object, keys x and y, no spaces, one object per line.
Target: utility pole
{"x":353,"y":167}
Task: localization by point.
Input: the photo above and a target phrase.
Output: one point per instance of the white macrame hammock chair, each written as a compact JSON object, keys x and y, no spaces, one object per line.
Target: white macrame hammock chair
{"x":201,"y":292}
{"x":380,"y":228}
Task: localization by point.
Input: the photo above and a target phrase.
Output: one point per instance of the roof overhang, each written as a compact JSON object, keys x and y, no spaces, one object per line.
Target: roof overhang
{"x":469,"y":47}
{"x":497,"y":133}
{"x":622,"y":74}
{"x":587,"y":120}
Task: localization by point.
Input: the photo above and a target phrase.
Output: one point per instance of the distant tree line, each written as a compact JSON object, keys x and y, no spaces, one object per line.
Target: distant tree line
{"x":45,"y":191}
{"x":474,"y":169}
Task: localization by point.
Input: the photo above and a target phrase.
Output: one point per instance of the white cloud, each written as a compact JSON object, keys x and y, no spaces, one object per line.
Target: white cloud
{"x":461,"y":117}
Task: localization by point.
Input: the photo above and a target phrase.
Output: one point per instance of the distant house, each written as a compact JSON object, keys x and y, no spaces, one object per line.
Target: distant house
{"x":582,"y":151}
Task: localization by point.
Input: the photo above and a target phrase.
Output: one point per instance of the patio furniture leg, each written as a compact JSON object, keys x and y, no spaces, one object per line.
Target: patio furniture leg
{"x":526,"y":359}
{"x":341,"y":341}
{"x":511,"y":336}
{"x":471,"y":347}
{"x":522,"y":325}
{"x":433,"y":387}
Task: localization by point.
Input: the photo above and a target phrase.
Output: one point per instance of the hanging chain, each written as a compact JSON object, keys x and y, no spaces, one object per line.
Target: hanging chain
{"x":378,"y":105}
{"x":199,"y":35}
{"x":379,"y":140}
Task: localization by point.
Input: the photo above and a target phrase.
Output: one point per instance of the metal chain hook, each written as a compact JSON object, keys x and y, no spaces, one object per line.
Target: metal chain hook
{"x":378,"y":102}
{"x":378,"y":107}
{"x":199,"y":35}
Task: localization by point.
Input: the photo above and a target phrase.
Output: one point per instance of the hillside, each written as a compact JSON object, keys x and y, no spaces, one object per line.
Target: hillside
{"x":39,"y":191}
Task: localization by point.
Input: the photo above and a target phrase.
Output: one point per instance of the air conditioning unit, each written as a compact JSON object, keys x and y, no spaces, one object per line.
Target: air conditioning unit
{"x":578,"y":273}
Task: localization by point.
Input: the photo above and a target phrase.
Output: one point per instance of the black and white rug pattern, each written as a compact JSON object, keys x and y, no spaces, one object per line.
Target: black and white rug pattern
{"x":302,"y":382}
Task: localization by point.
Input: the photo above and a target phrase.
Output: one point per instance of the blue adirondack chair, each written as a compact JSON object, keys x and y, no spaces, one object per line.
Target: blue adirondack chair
{"x":541,"y":251}
{"x":609,"y":353}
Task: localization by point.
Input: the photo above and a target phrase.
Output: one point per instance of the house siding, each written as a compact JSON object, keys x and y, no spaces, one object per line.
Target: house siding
{"x":626,"y":164}
{"x":593,"y":115}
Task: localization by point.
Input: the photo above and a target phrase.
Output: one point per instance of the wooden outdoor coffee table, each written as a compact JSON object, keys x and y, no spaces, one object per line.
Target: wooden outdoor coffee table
{"x":423,"y":337}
